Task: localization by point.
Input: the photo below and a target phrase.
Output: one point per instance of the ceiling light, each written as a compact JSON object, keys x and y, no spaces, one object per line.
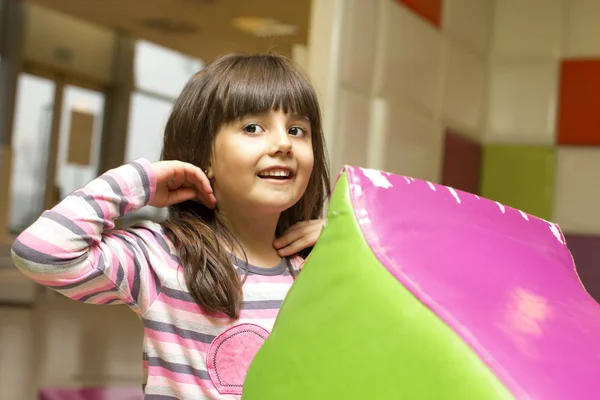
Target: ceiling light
{"x":264,"y":27}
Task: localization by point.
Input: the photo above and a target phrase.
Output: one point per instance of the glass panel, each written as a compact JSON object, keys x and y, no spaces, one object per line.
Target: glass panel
{"x":82,"y":113}
{"x":161,"y":70}
{"x":147,"y":118}
{"x":32,"y":125}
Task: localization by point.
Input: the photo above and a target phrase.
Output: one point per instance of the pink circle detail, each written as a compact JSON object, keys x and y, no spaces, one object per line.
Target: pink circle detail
{"x":230,"y":355}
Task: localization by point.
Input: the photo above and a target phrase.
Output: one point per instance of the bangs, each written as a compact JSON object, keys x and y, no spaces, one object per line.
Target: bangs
{"x":261,"y":84}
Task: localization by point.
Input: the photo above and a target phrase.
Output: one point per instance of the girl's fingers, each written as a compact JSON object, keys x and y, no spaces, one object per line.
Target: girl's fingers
{"x":299,"y":245}
{"x":180,"y":195}
{"x":291,"y":235}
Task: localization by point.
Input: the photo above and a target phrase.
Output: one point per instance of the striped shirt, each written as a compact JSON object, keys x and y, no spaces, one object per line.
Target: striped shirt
{"x":187,"y":353}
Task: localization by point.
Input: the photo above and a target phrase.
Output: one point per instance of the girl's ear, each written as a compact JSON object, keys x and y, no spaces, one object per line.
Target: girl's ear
{"x":209,"y":172}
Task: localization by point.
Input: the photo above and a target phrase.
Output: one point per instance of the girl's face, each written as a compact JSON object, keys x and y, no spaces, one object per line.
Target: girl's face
{"x":262,"y":163}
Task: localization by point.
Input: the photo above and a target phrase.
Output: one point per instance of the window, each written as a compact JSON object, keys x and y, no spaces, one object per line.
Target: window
{"x":33,"y":122}
{"x":147,"y":118}
{"x":160,"y":75}
{"x":162,"y":71}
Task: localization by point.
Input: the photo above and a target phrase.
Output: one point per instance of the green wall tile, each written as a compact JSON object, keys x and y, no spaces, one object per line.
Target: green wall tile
{"x":520,"y":176}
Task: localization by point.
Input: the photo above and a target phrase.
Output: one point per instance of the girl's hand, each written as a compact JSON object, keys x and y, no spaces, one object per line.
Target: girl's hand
{"x":299,"y":237}
{"x":177,"y":181}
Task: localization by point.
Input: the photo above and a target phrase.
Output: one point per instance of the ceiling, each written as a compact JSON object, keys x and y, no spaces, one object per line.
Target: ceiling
{"x":201,"y":28}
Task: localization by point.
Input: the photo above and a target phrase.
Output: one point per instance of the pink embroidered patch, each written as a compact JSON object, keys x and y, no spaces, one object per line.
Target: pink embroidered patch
{"x":230,"y":355}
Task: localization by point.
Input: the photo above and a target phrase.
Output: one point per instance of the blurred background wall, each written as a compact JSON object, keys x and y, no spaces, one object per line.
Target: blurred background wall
{"x":494,"y":97}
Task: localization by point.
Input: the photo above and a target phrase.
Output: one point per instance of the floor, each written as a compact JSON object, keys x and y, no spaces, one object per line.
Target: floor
{"x":62,"y":343}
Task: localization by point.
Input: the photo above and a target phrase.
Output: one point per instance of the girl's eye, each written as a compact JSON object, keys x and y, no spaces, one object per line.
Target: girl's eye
{"x":297,"y":131}
{"x":253,"y":129}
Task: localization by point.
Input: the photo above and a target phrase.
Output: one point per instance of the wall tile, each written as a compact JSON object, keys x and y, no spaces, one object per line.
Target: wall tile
{"x":358,"y":45}
{"x":578,"y":117}
{"x":462,"y":163}
{"x":408,"y":58}
{"x":522,"y":104}
{"x":520,"y":176}
{"x":412,"y":143}
{"x":530,"y":29}
{"x":352,"y":141}
{"x":463,"y":93}
{"x":586,"y":254}
{"x":582,"y":29}
{"x":577,"y":191}
{"x":469,"y":23}
{"x":430,"y":10}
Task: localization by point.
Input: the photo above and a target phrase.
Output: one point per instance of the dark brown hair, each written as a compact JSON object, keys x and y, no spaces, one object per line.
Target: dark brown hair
{"x":228,"y":89}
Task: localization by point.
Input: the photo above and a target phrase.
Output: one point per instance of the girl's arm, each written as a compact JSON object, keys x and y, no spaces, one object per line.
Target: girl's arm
{"x":72,"y":249}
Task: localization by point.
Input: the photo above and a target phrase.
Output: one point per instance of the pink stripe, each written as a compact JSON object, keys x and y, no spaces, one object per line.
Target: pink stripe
{"x":89,"y":228}
{"x":147,"y":166}
{"x":151,"y":178}
{"x":102,"y":203}
{"x":77,"y":295}
{"x":30,"y":240}
{"x":104,"y":297}
{"x":63,"y":278}
{"x":165,"y":259}
{"x":179,"y":304}
{"x":125,"y":189}
{"x":149,"y":286}
{"x":184,"y":315}
{"x":183,"y":389}
{"x":129,"y":266}
{"x":259,"y":314}
{"x":252,"y":279}
{"x":180,"y":378}
{"x":58,"y":279}
{"x":176,"y":304}
{"x":157,"y":336}
{"x":94,"y":253}
{"x":111,"y":260}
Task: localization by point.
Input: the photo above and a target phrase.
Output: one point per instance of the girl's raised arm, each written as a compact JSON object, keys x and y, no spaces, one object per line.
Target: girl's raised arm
{"x":72,"y":249}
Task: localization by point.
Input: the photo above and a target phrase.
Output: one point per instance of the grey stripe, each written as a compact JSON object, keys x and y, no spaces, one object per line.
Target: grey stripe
{"x":118,"y":301}
{"x":262,"y":305}
{"x":68,"y":224}
{"x":88,"y":198}
{"x":142,"y":246}
{"x":117,"y":190}
{"x":183,"y":333}
{"x":135,"y":285}
{"x":89,"y":296}
{"x":161,"y":241}
{"x":120,"y":275}
{"x":178,"y":368}
{"x":98,"y":271}
{"x":158,"y":396}
{"x":247,"y":305}
{"x":178,"y":294}
{"x":139,"y":240}
{"x":95,"y":274}
{"x":280,"y":269}
{"x":27,"y":253}
{"x":145,"y":180}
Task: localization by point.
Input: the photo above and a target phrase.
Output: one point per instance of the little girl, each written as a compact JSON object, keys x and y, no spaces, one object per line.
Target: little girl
{"x":245,"y":177}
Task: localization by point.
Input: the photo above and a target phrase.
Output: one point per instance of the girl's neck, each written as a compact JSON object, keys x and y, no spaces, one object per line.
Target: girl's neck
{"x":255,"y":233}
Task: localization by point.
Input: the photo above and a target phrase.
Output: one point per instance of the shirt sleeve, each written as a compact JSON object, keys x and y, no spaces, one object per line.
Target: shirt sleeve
{"x":74,"y":250}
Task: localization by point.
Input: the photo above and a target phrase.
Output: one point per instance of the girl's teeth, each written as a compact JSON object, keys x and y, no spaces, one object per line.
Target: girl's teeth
{"x":275,"y":174}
